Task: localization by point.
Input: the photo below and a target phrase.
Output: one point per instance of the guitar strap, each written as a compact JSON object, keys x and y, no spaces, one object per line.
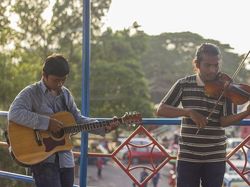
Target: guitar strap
{"x":65,"y":106}
{"x":64,"y":103}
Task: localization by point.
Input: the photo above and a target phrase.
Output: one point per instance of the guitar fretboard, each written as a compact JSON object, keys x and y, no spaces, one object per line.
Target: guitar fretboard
{"x":88,"y":126}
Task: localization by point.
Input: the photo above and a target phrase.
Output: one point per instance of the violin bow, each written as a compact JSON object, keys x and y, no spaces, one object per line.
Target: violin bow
{"x":225,"y":86}
{"x":240,"y":66}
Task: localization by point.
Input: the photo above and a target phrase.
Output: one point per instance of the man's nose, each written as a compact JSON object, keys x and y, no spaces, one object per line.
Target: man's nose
{"x":213,"y":69}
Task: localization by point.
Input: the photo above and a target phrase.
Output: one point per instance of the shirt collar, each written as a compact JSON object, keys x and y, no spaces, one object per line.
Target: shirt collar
{"x":199,"y":81}
{"x":44,"y":88}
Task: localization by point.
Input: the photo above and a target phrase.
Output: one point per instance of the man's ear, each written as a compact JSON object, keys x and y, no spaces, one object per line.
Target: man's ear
{"x":197,"y":65}
{"x":44,"y":75}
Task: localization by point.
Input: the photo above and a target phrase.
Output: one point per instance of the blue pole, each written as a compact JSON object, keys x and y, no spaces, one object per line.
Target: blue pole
{"x":85,"y":90}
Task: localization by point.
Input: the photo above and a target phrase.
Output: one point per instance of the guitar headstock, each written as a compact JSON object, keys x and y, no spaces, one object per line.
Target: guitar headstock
{"x":132,"y":118}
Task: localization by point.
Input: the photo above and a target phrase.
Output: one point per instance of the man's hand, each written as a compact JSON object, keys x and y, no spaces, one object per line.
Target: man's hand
{"x":113,"y":125}
{"x":54,"y":125}
{"x":200,"y":120}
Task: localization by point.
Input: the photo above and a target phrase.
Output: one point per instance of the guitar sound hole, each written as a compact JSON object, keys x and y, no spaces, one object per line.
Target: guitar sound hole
{"x":58,"y":134}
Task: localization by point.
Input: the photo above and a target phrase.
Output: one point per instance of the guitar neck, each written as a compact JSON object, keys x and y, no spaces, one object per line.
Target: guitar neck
{"x":89,"y":126}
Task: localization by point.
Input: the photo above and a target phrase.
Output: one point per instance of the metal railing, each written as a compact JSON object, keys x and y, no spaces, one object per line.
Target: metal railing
{"x":146,"y":121}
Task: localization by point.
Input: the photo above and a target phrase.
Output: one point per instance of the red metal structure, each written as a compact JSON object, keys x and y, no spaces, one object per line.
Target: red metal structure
{"x":245,"y":148}
{"x":153,"y":167}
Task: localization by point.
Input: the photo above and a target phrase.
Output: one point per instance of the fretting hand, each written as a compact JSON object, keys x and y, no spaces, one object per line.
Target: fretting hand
{"x":113,"y":125}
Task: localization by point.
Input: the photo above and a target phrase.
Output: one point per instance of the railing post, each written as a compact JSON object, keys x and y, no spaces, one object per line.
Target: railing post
{"x":85,"y":90}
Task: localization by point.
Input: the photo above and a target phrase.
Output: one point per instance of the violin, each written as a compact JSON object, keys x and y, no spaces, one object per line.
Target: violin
{"x":223,"y":85}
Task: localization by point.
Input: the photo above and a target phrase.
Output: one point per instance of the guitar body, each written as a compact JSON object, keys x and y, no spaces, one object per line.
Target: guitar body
{"x":31,"y":147}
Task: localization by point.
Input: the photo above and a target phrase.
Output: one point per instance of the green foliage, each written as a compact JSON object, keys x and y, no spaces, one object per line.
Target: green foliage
{"x":16,"y":74}
{"x":5,"y":30}
{"x":118,"y":83}
{"x":98,"y":11}
{"x":118,"y":87}
{"x":119,"y":45}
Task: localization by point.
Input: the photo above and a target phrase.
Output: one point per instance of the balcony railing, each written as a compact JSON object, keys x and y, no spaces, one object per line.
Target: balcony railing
{"x":128,"y":168}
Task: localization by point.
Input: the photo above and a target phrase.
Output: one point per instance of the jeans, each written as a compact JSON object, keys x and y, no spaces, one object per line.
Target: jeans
{"x":191,"y":174}
{"x":50,"y":175}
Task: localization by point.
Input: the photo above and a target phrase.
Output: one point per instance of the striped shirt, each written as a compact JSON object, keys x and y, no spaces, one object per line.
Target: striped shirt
{"x":209,"y":145}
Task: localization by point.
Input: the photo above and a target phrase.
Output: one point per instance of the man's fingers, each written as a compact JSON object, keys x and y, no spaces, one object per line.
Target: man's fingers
{"x":201,"y":123}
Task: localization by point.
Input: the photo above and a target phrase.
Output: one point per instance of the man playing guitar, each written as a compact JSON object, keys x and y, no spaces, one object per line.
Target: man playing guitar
{"x":34,"y":108}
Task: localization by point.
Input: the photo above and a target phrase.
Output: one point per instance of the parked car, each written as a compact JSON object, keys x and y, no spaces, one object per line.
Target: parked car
{"x":135,"y":141}
{"x":144,"y":154}
{"x":232,"y":178}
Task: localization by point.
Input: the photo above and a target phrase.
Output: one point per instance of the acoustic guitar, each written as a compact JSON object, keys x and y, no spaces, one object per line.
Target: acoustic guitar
{"x":30,"y":146}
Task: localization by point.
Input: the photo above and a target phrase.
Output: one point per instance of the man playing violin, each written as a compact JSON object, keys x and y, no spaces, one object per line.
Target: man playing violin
{"x":201,"y":157}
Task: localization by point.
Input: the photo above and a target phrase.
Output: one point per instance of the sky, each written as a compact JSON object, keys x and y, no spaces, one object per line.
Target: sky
{"x":227,"y":21}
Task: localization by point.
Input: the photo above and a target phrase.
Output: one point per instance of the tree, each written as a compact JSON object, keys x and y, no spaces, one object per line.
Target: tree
{"x":119,"y":87}
{"x":118,"y":83}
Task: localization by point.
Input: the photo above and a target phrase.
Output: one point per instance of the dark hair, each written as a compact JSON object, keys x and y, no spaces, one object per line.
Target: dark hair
{"x":208,"y":49}
{"x":56,"y":64}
